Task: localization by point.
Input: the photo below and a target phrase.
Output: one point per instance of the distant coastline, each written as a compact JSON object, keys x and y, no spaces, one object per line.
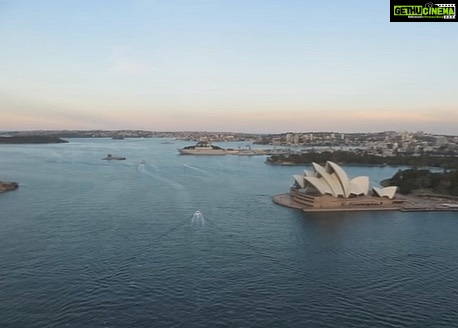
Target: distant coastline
{"x":32,"y":139}
{"x":352,"y":158}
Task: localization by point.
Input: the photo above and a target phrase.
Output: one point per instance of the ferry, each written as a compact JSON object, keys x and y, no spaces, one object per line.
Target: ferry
{"x":111,"y":158}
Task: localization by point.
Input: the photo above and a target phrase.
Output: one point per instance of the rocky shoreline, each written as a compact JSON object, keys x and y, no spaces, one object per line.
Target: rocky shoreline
{"x":8,"y":186}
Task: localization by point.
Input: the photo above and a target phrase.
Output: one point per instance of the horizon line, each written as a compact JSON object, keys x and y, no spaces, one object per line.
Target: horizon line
{"x":232,"y":132}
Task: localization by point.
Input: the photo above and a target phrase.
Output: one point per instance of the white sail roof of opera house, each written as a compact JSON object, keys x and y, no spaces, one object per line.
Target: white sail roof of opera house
{"x":333,"y":180}
{"x":385,"y":192}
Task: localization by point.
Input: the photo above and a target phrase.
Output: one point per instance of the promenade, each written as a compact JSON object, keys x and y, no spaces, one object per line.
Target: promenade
{"x":410,"y":204}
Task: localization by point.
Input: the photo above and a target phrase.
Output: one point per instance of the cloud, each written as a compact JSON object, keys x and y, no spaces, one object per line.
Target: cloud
{"x":125,"y":61}
{"x":126,"y":67}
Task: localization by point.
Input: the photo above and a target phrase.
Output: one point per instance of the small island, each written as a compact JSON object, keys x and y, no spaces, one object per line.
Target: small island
{"x":32,"y":139}
{"x":8,"y":186}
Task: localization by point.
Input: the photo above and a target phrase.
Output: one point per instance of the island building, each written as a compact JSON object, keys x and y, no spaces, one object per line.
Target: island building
{"x":329,"y":188}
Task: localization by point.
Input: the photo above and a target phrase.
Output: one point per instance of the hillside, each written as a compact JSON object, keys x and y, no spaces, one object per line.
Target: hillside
{"x":413,"y":180}
{"x":33,"y":139}
{"x":348,"y":157}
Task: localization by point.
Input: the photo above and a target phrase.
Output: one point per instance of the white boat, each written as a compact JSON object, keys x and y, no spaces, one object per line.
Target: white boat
{"x":202,"y":148}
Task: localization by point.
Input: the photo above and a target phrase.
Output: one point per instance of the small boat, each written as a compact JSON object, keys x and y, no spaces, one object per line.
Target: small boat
{"x":111,"y":158}
{"x":143,"y":162}
{"x":246,"y":152}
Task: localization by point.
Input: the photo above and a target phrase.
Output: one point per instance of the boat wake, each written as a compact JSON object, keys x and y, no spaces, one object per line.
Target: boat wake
{"x":142,"y":169}
{"x":197,"y":169}
{"x":197,"y":219}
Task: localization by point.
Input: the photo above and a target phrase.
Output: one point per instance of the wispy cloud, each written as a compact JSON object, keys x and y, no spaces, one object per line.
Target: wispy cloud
{"x":124,"y":61}
{"x":126,"y":67}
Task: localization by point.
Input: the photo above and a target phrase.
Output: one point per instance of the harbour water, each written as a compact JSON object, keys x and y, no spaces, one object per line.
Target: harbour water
{"x":195,"y":241}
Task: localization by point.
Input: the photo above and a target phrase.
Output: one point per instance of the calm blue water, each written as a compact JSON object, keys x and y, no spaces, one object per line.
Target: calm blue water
{"x":92,"y":243}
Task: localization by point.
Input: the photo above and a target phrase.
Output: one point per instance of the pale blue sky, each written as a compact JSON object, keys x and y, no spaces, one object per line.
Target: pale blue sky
{"x":252,"y":66}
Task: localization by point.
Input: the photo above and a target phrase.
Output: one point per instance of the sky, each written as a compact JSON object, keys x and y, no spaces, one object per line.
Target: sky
{"x":260,"y":66}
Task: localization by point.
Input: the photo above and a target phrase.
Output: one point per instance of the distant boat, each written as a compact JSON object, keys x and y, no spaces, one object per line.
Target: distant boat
{"x":118,"y":137}
{"x":202,"y":148}
{"x":111,"y":158}
{"x":143,"y":162}
{"x":246,"y":152}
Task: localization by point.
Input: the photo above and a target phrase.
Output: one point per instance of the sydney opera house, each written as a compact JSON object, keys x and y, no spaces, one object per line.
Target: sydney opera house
{"x":329,"y":188}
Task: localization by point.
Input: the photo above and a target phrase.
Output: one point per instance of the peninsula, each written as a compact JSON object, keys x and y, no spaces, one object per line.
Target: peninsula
{"x":31,"y":139}
{"x":415,"y":181}
{"x":363,"y":158}
{"x":329,"y":189}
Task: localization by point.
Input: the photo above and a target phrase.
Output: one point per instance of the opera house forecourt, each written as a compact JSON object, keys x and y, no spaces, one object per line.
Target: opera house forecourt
{"x":329,"y":188}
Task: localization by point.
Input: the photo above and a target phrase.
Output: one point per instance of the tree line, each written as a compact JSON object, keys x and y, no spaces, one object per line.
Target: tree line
{"x":348,"y":157}
{"x":411,"y":180}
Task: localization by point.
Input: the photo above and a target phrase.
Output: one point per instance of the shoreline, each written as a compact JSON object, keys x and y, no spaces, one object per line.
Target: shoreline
{"x":31,"y":139}
{"x":346,"y":164}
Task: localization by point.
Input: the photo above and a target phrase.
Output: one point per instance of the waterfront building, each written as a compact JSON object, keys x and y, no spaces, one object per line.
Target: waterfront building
{"x":330,"y":188}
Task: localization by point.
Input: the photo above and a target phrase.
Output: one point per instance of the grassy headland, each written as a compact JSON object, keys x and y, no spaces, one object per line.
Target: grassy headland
{"x":424,"y":181}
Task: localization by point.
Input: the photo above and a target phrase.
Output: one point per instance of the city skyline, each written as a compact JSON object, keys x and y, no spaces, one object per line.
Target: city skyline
{"x":259,"y":67}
